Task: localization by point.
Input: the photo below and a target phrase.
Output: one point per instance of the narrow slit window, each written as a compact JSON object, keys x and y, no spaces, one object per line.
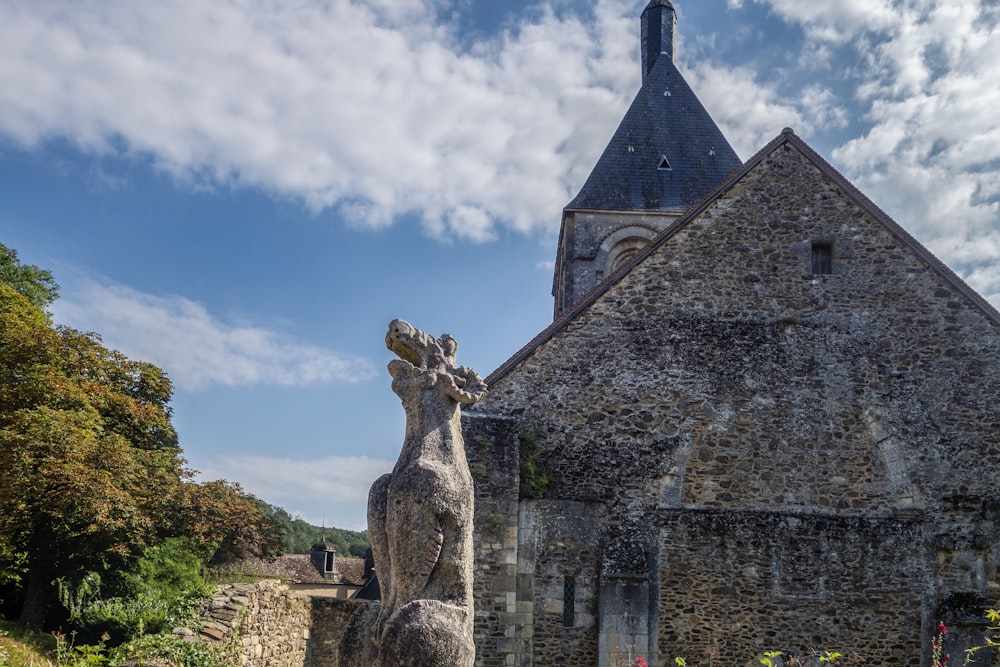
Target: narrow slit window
{"x":822,"y":258}
{"x":664,"y":163}
{"x":569,"y":601}
{"x":330,"y":561}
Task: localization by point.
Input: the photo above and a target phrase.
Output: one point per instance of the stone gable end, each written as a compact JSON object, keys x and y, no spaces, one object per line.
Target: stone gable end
{"x":721,"y":354}
{"x":772,"y":455}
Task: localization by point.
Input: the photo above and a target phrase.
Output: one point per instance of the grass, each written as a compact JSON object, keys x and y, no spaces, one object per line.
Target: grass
{"x":25,"y":648}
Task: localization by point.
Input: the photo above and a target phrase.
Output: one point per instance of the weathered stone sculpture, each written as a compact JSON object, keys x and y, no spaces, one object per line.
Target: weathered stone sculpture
{"x":420,"y":518}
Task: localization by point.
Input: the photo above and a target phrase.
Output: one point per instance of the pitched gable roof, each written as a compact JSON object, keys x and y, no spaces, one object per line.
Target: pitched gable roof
{"x":787,"y":137}
{"x":665,"y":155}
{"x":297,"y":569}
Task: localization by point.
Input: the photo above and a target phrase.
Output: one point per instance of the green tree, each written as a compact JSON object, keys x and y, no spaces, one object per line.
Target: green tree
{"x":91,"y":472}
{"x":87,"y":452}
{"x":36,"y":284}
{"x":226,"y":521}
{"x":299,"y":535}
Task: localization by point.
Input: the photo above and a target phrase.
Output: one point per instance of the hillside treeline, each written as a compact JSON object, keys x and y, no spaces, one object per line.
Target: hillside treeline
{"x":299,"y":536}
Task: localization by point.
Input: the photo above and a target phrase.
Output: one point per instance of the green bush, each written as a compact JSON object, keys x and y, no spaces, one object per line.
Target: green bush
{"x":160,"y":592}
{"x":167,"y":572}
{"x":534,"y":476}
{"x":126,"y":618}
{"x":172,"y":648}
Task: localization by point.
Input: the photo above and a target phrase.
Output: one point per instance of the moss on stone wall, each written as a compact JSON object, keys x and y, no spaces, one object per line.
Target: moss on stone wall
{"x":534,"y":476}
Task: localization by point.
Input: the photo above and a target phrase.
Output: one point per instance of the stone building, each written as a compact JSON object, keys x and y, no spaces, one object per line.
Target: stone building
{"x":764,"y":418}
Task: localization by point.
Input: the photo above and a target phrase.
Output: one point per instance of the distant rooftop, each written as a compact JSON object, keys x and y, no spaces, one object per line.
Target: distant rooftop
{"x":298,"y":569}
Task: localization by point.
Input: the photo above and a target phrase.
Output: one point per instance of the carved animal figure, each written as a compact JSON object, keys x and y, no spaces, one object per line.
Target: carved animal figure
{"x":420,"y":516}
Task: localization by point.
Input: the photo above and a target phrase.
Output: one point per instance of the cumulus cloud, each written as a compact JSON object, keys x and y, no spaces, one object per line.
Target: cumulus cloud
{"x":334,"y":488}
{"x":381,"y":109}
{"x":197,"y":349}
{"x":839,"y":21}
{"x":377,"y":107}
{"x":757,"y":119}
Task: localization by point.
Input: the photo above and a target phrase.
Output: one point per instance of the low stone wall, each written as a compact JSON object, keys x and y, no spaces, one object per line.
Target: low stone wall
{"x":329,"y":618}
{"x":262,"y":624}
{"x":266,"y":624}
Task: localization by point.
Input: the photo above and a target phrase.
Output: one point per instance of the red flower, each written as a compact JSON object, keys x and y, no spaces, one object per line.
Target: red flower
{"x":942,"y":628}
{"x":640,"y":662}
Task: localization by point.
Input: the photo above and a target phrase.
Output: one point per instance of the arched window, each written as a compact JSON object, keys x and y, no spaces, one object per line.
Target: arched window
{"x":620,"y":246}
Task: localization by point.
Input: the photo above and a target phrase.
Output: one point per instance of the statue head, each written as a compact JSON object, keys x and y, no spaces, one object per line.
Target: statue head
{"x":418,"y":348}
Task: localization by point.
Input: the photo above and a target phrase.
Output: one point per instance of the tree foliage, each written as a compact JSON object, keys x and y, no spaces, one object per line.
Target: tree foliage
{"x":91,"y":472}
{"x":299,"y":535}
{"x":36,"y":284}
{"x":86,"y":450}
{"x":225,"y":520}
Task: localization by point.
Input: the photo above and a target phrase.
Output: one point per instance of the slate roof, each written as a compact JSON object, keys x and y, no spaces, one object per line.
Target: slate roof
{"x":787,"y":136}
{"x":298,"y":569}
{"x":666,"y":120}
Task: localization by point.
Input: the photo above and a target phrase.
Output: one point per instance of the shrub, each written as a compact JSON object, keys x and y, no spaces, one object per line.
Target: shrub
{"x":171,"y":648}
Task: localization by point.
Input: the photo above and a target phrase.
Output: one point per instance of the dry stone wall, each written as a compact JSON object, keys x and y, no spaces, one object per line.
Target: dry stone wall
{"x":266,"y":625}
{"x":329,"y":618}
{"x":260,"y":624}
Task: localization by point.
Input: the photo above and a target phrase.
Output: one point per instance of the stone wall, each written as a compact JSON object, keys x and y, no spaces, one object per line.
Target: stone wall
{"x":266,"y":625}
{"x":592,"y":244}
{"x":329,"y":618}
{"x":261,"y":624}
{"x":502,"y":625}
{"x":765,"y":581}
{"x":742,"y":421}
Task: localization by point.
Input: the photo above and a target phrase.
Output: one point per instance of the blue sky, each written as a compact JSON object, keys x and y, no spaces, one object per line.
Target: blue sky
{"x":246,"y":192}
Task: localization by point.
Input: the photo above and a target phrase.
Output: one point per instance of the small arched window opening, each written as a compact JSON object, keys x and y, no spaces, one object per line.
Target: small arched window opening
{"x":623,"y":257}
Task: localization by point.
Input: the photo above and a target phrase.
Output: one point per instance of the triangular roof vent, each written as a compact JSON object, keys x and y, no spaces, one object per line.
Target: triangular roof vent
{"x":664,"y":163}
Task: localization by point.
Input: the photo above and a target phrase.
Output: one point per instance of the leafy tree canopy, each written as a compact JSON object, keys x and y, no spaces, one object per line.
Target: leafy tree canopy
{"x":91,"y":473}
{"x":36,"y":284}
{"x":86,"y":449}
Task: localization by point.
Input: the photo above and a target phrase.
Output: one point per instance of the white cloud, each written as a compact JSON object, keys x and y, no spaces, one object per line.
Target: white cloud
{"x":381,"y":108}
{"x":195,"y":348}
{"x":836,"y":21}
{"x":371,"y":106}
{"x":757,"y":119}
{"x":334,"y":487}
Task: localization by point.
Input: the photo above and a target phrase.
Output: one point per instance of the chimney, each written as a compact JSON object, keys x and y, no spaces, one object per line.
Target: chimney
{"x":658,"y":34}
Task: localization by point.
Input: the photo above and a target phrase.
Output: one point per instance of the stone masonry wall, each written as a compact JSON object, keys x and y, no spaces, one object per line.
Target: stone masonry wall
{"x":734,"y":583}
{"x":329,"y":618}
{"x":262,"y":624}
{"x":501,"y":616}
{"x":722,"y":375}
{"x":266,"y":625}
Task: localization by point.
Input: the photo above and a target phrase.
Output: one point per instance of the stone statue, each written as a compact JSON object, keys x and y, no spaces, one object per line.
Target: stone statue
{"x":420,"y":518}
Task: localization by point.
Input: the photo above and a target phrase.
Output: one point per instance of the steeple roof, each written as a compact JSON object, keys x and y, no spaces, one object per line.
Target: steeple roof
{"x":667,"y":152}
